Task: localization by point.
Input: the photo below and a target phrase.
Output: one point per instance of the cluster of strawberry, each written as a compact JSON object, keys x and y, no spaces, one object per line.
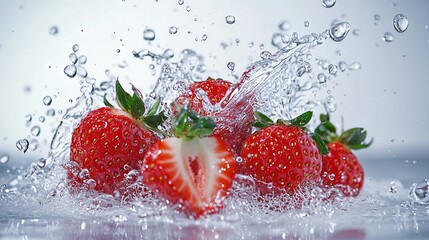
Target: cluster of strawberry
{"x":193,"y":165}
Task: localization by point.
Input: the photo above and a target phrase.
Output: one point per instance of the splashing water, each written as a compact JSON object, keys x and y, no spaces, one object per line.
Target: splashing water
{"x":281,"y":85}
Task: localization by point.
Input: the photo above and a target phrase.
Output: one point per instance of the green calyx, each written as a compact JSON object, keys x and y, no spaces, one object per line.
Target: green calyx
{"x":189,"y":125}
{"x":262,"y":121}
{"x":134,"y":105}
{"x":353,"y":138}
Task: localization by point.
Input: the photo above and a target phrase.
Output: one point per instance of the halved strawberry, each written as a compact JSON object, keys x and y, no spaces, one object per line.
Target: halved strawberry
{"x":108,"y":143}
{"x":190,"y":169}
{"x":233,"y":123}
{"x":282,"y":154}
{"x":341,"y":168}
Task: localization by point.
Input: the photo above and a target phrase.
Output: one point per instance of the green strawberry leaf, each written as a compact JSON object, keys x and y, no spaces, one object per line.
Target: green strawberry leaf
{"x":321,"y":145}
{"x":324,"y":117}
{"x":189,"y":125}
{"x":262,"y":120}
{"x":154,"y":107}
{"x":153,"y":121}
{"x":136,"y":105}
{"x":124,"y":98}
{"x":361,"y":146}
{"x":106,"y":102}
{"x":302,"y":119}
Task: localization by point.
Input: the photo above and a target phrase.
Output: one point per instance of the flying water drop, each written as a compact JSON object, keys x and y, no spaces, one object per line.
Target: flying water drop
{"x":284,"y":26}
{"x":231,"y":66}
{"x":4,"y":159}
{"x":35,"y":131}
{"x":75,"y":48}
{"x":400,"y":23}
{"x":22,"y":145}
{"x":339,"y":31}
{"x":388,"y":37}
{"x":53,"y":30}
{"x":70,"y":70}
{"x":420,"y":192}
{"x":230,"y":19}
{"x":47,"y":100}
{"x":149,"y":34}
{"x":328,"y":3}
{"x":172,"y":30}
{"x":355,"y":66}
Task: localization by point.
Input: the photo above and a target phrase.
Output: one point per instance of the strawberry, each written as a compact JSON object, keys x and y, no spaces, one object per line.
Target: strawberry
{"x":110,"y":142}
{"x":341,"y":168}
{"x":232,"y":126}
{"x":282,"y":154}
{"x":191,"y":169}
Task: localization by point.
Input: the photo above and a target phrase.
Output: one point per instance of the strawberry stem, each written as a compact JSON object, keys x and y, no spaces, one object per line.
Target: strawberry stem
{"x":189,"y":125}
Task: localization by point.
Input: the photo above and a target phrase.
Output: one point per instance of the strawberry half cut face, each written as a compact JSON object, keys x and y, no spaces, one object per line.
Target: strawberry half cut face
{"x":195,"y":173}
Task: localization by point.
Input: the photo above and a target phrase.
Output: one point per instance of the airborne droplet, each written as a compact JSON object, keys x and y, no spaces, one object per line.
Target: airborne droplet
{"x":35,"y":131}
{"x":420,"y":192}
{"x":172,"y":30}
{"x":149,"y":34}
{"x":328,"y":3}
{"x":70,"y":70}
{"x":47,"y":100}
{"x":53,"y":30}
{"x":230,"y":19}
{"x":22,"y":145}
{"x":231,"y":66}
{"x":400,"y":23}
{"x":339,"y":31}
{"x":4,"y":159}
{"x":388,"y":37}
{"x":75,"y":48}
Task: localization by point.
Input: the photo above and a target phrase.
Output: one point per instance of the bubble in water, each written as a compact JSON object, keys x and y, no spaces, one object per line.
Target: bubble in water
{"x":75,"y":48}
{"x":230,"y":19}
{"x":180,"y":2}
{"x":420,"y":192}
{"x":47,"y":100}
{"x":70,"y":70}
{"x":22,"y":145}
{"x":355,"y":66}
{"x":284,"y":26}
{"x":328,"y":3}
{"x":4,"y":159}
{"x":231,"y":66}
{"x":35,"y":131}
{"x":53,"y":30}
{"x":306,"y":23}
{"x":342,"y":66}
{"x":388,"y":37}
{"x":339,"y":31}
{"x":73,"y":58}
{"x":321,"y":77}
{"x":149,"y":34}
{"x":400,"y":23}
{"x":172,"y":30}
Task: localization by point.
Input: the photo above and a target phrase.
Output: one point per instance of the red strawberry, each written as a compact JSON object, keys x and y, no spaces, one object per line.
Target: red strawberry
{"x":282,"y":154}
{"x":341,"y":168}
{"x":232,"y":126}
{"x":109,"y":142}
{"x":191,"y":169}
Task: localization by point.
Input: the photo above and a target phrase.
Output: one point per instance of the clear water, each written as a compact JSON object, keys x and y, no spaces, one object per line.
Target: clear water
{"x":35,"y":203}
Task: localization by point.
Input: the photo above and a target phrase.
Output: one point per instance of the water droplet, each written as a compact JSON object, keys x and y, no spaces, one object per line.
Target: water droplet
{"x":231,"y":66}
{"x":376,"y":19}
{"x":331,"y":176}
{"x":35,"y":131}
{"x":230,"y":19}
{"x":330,"y":104}
{"x":180,"y":2}
{"x":75,"y":48}
{"x":73,"y":58}
{"x":28,"y":118}
{"x":420,"y":192}
{"x":4,"y":159}
{"x":284,"y":26}
{"x":84,"y":174}
{"x":306,"y":23}
{"x":239,"y":159}
{"x":339,"y":31}
{"x":149,"y":34}
{"x":82,"y":59}
{"x":22,"y":145}
{"x":119,"y":50}
{"x":328,"y":3}
{"x":172,"y":30}
{"x":266,"y":55}
{"x":356,"y":32}
{"x":41,"y":119}
{"x":321,"y":77}
{"x":393,"y":187}
{"x":81,"y":72}
{"x":188,"y":8}
{"x":70,"y":70}
{"x":400,"y":23}
{"x":47,"y":100}
{"x":204,"y":37}
{"x":270,"y":185}
{"x":332,"y":69}
{"x":342,"y":66}
{"x":53,"y":30}
{"x":168,"y":53}
{"x":388,"y":37}
{"x":355,"y":66}
{"x":41,"y":163}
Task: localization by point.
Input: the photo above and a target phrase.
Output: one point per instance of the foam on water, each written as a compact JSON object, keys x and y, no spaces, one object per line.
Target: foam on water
{"x":282,"y":85}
